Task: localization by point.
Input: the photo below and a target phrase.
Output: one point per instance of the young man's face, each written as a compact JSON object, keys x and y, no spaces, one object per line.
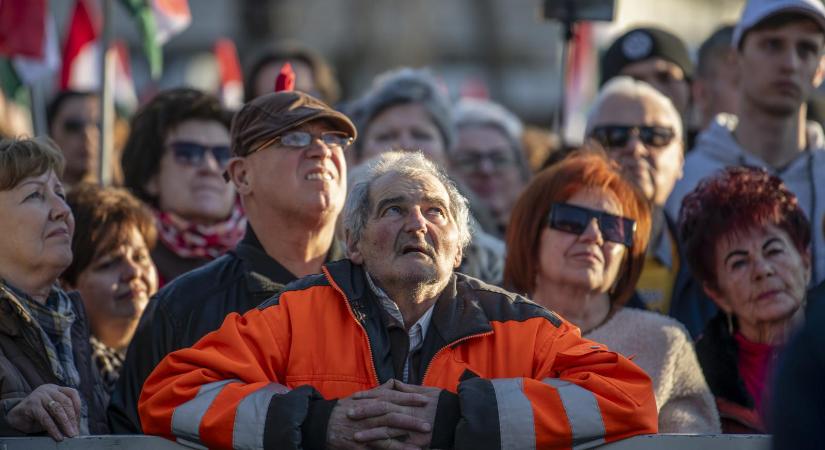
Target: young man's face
{"x":780,"y":67}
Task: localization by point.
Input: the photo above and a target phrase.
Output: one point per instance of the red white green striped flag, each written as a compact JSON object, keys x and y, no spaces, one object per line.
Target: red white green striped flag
{"x":158,"y":21}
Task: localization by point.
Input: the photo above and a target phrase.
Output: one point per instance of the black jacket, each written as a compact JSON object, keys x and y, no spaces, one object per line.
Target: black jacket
{"x":188,"y":308}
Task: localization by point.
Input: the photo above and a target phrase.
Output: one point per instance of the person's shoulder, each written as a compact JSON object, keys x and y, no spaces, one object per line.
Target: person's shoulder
{"x":301,"y":284}
{"x":501,"y":305}
{"x":652,"y":325}
{"x":192,"y":287}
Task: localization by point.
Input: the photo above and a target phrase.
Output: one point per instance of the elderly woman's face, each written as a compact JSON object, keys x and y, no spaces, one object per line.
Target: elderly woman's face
{"x":36,"y":226}
{"x":582,"y":261}
{"x":404,"y":127}
{"x":189,"y":181}
{"x":761,"y":277}
{"x":116,"y":287}
{"x":486,"y":161}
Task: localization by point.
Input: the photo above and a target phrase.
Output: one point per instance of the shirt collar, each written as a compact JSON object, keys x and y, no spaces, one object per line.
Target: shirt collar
{"x":392,"y":309}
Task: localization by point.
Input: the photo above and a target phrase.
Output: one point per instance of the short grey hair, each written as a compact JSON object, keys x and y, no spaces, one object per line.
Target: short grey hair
{"x":411,"y":164}
{"x":625,"y":86}
{"x":403,"y":86}
{"x":475,"y":112}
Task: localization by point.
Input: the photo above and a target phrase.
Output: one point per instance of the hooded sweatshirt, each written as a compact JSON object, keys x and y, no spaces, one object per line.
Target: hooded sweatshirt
{"x":716,"y":148}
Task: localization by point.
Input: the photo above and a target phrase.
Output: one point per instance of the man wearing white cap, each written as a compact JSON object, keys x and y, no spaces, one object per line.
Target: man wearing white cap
{"x":779,"y":53}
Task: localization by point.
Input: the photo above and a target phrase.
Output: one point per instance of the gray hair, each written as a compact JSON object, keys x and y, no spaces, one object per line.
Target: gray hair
{"x":402,"y":86}
{"x":474,"y":112}
{"x":411,"y":164}
{"x":625,"y":86}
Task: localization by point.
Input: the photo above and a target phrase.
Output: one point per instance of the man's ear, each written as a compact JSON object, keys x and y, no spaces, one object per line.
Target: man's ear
{"x":458,"y":257}
{"x":820,"y":72}
{"x":721,"y":300}
{"x":353,"y":248}
{"x":239,"y":175}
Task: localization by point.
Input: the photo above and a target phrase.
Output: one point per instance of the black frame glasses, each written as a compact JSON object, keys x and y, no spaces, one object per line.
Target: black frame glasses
{"x":193,"y":154}
{"x":575,"y":219}
{"x":617,"y":136}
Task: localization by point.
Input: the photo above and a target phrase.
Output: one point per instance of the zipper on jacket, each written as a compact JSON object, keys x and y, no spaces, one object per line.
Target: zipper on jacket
{"x":355,"y":318}
{"x":455,"y":342}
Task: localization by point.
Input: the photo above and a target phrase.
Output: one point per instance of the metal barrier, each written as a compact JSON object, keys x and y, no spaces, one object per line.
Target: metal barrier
{"x":659,"y":441}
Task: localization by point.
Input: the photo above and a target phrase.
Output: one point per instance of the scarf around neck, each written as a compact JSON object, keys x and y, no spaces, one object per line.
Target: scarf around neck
{"x":190,"y":240}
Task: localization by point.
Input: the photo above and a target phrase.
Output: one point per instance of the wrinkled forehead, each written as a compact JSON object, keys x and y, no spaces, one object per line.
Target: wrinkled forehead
{"x":406,"y":187}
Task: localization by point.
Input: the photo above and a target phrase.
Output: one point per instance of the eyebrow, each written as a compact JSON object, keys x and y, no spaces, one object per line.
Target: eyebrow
{"x":387,"y":201}
{"x":735,"y":253}
{"x":771,"y":241}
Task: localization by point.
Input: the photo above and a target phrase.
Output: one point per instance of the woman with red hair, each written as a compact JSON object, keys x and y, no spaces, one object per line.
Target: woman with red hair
{"x":576,"y":244}
{"x":748,"y":242}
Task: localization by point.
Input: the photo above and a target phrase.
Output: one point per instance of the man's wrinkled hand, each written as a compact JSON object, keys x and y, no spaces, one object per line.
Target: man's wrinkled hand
{"x":386,"y":414}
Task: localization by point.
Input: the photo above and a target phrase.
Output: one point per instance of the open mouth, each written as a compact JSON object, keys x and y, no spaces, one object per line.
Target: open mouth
{"x":414,"y":249}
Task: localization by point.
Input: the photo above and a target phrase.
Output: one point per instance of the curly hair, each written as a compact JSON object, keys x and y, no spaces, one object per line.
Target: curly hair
{"x":584,"y":169}
{"x":734,"y":201}
{"x":150,"y":126}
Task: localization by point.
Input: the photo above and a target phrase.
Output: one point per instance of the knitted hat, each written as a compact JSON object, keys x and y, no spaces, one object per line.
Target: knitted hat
{"x":641,"y":44}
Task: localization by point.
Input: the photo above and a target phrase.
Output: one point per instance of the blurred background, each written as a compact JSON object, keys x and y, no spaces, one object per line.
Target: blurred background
{"x":503,"y":49}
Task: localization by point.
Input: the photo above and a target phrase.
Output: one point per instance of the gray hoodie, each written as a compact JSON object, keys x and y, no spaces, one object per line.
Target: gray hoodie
{"x":716,"y":148}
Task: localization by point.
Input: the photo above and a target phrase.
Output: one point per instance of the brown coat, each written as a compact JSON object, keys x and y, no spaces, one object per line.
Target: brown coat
{"x":25,"y":366}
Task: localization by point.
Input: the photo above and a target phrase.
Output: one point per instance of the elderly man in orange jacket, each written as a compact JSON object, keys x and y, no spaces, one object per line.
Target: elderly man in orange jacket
{"x":391,"y":348}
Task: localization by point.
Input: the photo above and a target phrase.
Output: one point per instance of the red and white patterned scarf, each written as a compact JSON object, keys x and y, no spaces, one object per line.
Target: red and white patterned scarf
{"x":189,"y":240}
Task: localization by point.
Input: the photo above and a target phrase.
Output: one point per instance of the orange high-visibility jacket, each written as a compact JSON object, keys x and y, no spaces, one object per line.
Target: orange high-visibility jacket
{"x":515,"y":375}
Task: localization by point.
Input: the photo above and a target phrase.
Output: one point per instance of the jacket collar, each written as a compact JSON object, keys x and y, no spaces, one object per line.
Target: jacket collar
{"x":264,"y":274}
{"x":457,"y":313}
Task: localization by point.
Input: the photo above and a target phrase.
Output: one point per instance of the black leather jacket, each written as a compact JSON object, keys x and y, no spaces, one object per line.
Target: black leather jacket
{"x":188,"y":308}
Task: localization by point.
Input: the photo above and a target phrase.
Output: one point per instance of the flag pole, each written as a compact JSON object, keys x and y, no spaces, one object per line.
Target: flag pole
{"x":38,"y":110}
{"x":107,"y":108}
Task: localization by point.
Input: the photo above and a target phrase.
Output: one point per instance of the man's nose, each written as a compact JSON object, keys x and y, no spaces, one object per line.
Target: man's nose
{"x":415,"y":221}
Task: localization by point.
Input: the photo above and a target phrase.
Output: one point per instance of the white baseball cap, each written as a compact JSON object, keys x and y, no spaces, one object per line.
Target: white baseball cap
{"x":756,"y":11}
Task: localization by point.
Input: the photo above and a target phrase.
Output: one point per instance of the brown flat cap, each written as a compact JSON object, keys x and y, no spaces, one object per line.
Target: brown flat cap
{"x":272,"y":114}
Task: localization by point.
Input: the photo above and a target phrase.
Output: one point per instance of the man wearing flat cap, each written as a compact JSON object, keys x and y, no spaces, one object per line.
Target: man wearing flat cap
{"x":289,"y":171}
{"x":655,"y":56}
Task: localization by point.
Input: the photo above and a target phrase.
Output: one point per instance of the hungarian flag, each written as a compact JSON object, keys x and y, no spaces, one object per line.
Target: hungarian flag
{"x":81,"y":52}
{"x":229,"y":69}
{"x":125,"y":92}
{"x":158,"y":21}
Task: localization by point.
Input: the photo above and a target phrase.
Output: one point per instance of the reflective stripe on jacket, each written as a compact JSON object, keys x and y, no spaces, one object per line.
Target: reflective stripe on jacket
{"x":517,"y":375}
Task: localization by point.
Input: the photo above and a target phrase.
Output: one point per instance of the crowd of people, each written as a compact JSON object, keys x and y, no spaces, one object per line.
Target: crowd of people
{"x":395,"y":271}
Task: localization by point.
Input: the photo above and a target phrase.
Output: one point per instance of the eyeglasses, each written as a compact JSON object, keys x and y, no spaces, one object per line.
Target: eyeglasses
{"x":617,"y":136}
{"x":300,"y":139}
{"x":471,"y":161}
{"x":77,"y":126}
{"x":575,"y":219}
{"x":193,"y":154}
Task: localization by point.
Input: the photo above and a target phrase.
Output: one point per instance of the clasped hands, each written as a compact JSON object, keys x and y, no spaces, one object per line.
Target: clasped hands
{"x":394,"y":416}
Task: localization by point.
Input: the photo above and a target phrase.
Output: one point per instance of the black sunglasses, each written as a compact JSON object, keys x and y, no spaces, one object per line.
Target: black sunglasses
{"x":575,"y":219}
{"x":613,"y":136}
{"x":193,"y":154}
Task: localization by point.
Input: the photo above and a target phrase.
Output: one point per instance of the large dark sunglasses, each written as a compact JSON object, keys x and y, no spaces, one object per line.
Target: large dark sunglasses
{"x":575,"y":219}
{"x":193,"y":154}
{"x":617,"y":136}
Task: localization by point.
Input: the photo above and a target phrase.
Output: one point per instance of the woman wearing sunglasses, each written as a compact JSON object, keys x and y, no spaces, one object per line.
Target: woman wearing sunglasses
{"x":747,"y":241}
{"x":576,"y":244}
{"x":174,"y":160}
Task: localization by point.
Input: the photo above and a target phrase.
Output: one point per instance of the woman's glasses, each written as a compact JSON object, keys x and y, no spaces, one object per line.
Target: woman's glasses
{"x":617,"y":136}
{"x":575,"y":219}
{"x":193,"y":154}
